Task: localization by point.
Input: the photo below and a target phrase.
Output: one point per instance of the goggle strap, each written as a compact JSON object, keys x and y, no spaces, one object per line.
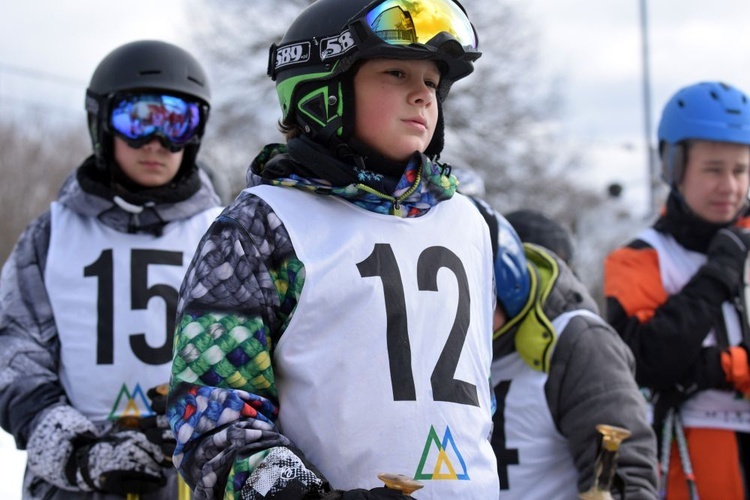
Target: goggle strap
{"x":271,"y":69}
{"x":302,"y":53}
{"x":92,"y":102}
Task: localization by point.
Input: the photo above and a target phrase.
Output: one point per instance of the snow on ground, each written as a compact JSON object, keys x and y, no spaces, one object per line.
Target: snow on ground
{"x":12,"y":463}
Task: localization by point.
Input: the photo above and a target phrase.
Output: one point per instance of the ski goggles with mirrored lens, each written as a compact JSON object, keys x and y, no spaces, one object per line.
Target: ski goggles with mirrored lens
{"x":139,"y":118}
{"x":384,"y":29}
{"x":402,"y":22}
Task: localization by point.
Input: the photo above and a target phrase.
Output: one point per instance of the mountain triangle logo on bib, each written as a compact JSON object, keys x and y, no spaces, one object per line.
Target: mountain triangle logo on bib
{"x":127,"y":404}
{"x":441,"y":456}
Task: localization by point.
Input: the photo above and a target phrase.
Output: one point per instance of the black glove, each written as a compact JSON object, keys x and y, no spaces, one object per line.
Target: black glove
{"x":118,"y":462}
{"x":381,"y":493}
{"x":157,"y":430}
{"x":726,"y":257}
{"x":158,"y":397}
{"x":156,"y":427}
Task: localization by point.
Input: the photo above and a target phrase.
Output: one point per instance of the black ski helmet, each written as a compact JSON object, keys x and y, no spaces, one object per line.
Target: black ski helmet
{"x":146,"y":65}
{"x":535,"y":227}
{"x":312,"y":61}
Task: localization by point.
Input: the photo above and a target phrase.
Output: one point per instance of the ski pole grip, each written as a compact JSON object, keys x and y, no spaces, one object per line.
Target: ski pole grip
{"x":400,"y":482}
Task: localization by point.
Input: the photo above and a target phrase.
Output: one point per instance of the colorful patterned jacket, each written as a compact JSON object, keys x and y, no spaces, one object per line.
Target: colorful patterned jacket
{"x":238,"y":297}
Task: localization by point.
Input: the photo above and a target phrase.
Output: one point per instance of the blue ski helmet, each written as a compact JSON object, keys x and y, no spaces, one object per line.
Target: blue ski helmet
{"x":709,"y":111}
{"x":512,"y":281}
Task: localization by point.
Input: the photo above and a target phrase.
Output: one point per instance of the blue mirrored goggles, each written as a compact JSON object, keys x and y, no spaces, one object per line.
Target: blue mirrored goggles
{"x":403,"y":22}
{"x":139,"y":118}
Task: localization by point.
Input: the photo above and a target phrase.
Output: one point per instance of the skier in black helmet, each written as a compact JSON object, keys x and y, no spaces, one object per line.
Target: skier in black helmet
{"x":88,"y":295}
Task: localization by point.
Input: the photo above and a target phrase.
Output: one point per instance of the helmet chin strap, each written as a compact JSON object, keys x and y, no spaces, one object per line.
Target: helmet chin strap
{"x":435,"y":147}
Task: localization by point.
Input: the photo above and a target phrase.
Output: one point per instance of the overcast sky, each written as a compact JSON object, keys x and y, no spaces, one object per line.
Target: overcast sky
{"x":48,"y":50}
{"x":593,"y":47}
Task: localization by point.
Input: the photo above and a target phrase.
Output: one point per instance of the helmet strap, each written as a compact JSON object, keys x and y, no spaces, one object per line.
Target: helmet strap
{"x":318,"y":112}
{"x":435,"y":147}
{"x":673,"y":158}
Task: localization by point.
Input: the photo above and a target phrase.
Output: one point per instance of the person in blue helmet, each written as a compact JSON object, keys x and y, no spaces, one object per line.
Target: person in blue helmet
{"x":558,"y":371}
{"x":676,"y":294}
{"x":335,"y":323}
{"x":89,"y":292}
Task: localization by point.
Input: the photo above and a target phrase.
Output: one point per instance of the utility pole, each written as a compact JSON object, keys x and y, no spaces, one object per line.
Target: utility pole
{"x":652,"y":174}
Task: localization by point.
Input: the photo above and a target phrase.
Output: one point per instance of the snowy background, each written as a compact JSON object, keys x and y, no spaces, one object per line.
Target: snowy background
{"x":12,"y":463}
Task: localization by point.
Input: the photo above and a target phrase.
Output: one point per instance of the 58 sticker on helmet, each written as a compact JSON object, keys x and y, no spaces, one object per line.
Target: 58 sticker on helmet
{"x":336,"y":45}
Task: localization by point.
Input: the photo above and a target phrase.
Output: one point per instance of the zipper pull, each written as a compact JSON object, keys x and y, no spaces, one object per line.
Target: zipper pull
{"x":396,"y":210}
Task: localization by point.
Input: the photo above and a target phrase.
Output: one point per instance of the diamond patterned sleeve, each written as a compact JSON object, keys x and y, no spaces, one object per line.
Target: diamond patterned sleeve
{"x":237,"y":294}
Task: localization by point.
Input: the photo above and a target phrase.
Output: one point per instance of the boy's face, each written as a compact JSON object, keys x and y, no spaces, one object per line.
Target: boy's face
{"x":151,"y":165}
{"x":716,"y":179}
{"x":396,"y":106}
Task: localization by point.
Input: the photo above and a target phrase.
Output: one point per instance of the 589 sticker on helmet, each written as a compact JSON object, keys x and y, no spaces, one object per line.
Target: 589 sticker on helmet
{"x":292,"y":54}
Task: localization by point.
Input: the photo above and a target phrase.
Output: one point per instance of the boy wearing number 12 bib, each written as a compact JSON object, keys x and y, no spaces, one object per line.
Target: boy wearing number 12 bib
{"x":88,"y":295}
{"x":335,"y":322}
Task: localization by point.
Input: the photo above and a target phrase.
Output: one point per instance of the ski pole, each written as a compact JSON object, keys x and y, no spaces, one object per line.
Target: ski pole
{"x":666,"y":448}
{"x":687,"y":465}
{"x":183,"y":490}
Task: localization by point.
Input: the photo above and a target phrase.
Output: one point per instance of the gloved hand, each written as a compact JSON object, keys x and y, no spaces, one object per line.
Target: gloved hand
{"x":736,"y":369}
{"x":118,"y":462}
{"x":158,"y":397}
{"x":726,"y":257}
{"x":156,"y":427}
{"x":284,"y":473}
{"x":381,"y":493}
{"x":157,"y":430}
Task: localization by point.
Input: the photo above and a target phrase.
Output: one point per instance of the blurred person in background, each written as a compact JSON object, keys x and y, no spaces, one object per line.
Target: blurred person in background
{"x":533,"y":226}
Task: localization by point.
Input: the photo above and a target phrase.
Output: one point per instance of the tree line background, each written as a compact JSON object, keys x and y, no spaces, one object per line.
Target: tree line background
{"x":502,"y":122}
